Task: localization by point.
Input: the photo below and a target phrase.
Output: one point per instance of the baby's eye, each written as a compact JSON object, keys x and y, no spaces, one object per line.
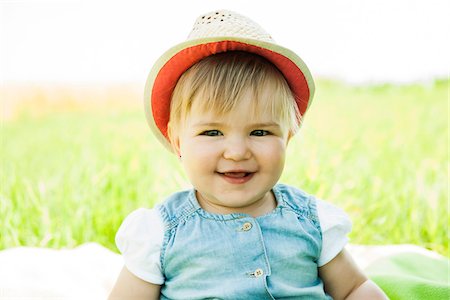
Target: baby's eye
{"x":211,"y":133}
{"x":260,"y":132}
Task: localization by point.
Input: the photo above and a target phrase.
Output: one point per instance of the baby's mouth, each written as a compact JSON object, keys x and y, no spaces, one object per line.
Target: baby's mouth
{"x":236,"y":174}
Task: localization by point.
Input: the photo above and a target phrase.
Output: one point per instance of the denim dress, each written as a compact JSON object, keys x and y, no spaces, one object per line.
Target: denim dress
{"x":235,"y":256}
{"x":194,"y":254}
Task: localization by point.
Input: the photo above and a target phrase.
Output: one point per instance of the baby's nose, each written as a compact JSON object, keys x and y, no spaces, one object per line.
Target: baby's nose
{"x":236,"y":149}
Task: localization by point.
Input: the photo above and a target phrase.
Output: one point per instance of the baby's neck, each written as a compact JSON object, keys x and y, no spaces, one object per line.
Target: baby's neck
{"x":260,"y":207}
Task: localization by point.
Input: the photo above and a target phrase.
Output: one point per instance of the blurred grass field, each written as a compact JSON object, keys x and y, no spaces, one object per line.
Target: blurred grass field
{"x":74,"y":162}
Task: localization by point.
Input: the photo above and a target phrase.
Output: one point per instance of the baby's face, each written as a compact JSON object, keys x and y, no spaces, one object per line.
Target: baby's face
{"x":234,"y":160}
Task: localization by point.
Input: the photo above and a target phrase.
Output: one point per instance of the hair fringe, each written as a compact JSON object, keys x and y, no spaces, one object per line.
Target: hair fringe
{"x":222,"y":80}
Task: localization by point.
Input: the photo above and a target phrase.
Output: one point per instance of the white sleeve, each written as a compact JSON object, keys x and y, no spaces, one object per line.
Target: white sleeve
{"x":335,"y":225}
{"x":140,"y":239}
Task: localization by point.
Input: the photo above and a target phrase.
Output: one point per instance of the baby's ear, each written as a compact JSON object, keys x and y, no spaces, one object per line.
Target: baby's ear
{"x":174,"y":140}
{"x":175,"y":143}
{"x":290,"y":135}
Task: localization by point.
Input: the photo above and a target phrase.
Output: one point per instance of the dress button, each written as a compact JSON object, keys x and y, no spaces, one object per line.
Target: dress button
{"x":258,"y":272}
{"x":247,"y":226}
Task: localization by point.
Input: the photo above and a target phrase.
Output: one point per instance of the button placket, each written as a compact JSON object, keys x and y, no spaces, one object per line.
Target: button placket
{"x":250,"y":229}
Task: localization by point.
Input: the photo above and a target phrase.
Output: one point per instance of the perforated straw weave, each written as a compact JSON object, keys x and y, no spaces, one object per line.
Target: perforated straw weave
{"x":227,"y":23}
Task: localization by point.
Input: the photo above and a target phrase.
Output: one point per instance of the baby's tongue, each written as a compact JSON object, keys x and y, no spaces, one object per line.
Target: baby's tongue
{"x":235,"y":174}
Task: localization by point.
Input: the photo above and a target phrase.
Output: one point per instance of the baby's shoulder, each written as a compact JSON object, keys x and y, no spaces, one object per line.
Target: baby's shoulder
{"x":301,"y":200}
{"x":295,"y":198}
{"x":176,"y":207}
{"x":160,"y":216}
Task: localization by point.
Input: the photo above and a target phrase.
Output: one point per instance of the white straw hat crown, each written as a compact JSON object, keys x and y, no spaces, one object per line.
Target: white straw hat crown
{"x":227,"y":23}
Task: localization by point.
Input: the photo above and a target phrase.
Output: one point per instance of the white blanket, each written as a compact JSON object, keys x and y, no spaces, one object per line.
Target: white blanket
{"x":90,"y":270}
{"x":86,"y":272}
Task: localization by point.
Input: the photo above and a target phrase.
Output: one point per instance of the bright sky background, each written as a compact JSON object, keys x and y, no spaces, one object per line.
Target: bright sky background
{"x":114,"y":41}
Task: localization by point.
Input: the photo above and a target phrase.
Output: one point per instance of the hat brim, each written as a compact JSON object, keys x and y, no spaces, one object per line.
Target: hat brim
{"x":165,"y":73}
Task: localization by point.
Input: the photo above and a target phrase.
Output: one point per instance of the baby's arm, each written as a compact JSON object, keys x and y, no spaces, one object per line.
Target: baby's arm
{"x":128,"y":286}
{"x":344,"y":280}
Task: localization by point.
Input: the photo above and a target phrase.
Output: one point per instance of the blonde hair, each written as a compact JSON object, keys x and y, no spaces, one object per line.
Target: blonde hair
{"x":222,"y":80}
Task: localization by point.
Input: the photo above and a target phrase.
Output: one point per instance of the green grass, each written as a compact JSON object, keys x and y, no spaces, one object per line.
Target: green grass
{"x":379,"y":152}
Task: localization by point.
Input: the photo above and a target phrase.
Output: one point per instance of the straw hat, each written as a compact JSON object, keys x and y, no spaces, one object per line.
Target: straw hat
{"x":216,"y":32}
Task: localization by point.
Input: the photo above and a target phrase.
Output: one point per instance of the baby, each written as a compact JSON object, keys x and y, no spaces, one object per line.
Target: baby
{"x":227,"y":102}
